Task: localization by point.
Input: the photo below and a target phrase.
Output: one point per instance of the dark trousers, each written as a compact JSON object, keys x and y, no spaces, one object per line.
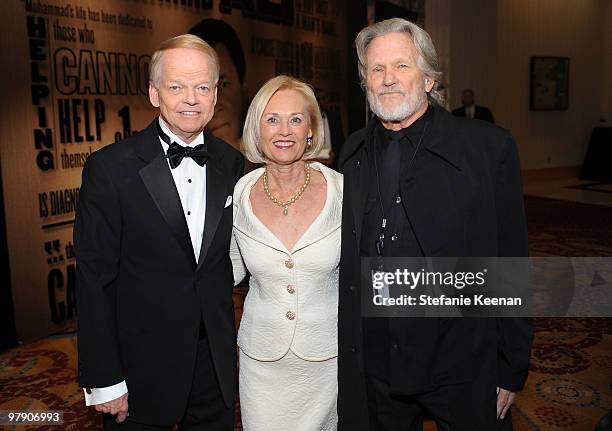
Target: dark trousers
{"x":461,"y":407}
{"x":205,"y":411}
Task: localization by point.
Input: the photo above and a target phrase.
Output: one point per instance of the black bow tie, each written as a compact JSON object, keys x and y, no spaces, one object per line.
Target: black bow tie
{"x":176,"y":153}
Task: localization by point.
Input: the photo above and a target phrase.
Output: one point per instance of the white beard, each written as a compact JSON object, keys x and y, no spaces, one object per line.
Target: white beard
{"x":410,"y":104}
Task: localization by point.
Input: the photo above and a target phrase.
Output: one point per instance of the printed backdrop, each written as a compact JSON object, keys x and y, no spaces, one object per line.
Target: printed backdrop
{"x":76,"y":78}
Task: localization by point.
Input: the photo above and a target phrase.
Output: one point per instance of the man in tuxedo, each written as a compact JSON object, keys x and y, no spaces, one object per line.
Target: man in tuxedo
{"x":470,"y":109}
{"x":419,"y":182}
{"x":156,"y":337}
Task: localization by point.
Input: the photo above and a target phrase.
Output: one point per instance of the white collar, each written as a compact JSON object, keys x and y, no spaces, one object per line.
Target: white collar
{"x":173,"y":138}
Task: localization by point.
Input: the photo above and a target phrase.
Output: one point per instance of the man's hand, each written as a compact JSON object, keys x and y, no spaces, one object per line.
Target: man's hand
{"x":505,"y":399}
{"x":117,"y":407}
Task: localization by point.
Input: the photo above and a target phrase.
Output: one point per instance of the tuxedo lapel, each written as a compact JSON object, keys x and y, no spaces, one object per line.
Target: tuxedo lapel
{"x":158,"y":181}
{"x":216,"y":194}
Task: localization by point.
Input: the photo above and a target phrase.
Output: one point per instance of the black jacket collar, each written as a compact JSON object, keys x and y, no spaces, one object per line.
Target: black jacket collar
{"x":438,"y":139}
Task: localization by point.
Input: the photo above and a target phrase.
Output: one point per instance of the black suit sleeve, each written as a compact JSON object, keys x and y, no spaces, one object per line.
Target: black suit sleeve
{"x":344,"y":154}
{"x":488,"y":115}
{"x":515,"y":335}
{"x":459,"y":112}
{"x":97,"y":233}
{"x":341,"y":160}
{"x":238,"y":168}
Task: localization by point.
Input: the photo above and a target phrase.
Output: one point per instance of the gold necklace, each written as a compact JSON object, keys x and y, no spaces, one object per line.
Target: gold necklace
{"x":285,"y":205}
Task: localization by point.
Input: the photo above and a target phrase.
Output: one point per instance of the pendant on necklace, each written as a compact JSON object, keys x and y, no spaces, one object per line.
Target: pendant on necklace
{"x":285,"y":209}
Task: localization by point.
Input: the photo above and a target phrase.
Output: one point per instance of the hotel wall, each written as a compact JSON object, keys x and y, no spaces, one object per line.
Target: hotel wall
{"x":491,"y":43}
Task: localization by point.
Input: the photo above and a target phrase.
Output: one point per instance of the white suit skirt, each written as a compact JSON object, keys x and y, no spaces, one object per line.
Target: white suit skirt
{"x":290,"y":394}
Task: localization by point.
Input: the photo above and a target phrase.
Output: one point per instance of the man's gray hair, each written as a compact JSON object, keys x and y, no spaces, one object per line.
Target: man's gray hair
{"x":428,"y":58}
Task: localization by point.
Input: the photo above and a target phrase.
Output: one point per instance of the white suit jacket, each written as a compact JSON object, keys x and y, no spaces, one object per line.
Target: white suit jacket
{"x":292,"y":301}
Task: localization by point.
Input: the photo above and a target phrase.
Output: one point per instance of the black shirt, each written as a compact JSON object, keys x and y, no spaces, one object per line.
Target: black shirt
{"x":395,"y":153}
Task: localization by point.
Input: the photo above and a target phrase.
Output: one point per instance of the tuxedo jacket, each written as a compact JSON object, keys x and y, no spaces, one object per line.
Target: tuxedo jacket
{"x":480,"y":113}
{"x":463,"y":197}
{"x":140,"y":292}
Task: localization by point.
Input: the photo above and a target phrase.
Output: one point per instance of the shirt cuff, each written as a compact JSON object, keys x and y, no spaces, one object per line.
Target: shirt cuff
{"x":104,"y":395}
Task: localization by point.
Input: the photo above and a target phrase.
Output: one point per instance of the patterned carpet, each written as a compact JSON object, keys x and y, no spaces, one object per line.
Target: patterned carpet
{"x":571,"y":365}
{"x":570,"y":376}
{"x":562,"y":228}
{"x":571,"y":361}
{"x":42,"y":376}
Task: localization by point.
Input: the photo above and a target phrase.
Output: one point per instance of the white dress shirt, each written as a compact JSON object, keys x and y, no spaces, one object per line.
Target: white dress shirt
{"x":190,"y":181}
{"x":470,"y":111}
{"x":325,"y":150}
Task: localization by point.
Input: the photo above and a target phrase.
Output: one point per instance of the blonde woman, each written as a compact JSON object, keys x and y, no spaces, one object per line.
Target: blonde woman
{"x":287,"y":234}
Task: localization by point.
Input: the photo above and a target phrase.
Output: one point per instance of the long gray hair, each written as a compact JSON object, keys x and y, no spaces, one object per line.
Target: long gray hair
{"x":428,"y":58}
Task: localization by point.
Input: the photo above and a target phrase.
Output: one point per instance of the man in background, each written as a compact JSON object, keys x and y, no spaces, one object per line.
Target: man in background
{"x":333,"y":131}
{"x":471,"y":110}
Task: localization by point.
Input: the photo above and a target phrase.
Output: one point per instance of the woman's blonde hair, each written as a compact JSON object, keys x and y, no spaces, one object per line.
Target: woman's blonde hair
{"x":183,"y":41}
{"x":251,"y":139}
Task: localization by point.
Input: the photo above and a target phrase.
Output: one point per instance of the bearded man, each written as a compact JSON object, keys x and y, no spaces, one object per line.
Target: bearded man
{"x":419,"y":182}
